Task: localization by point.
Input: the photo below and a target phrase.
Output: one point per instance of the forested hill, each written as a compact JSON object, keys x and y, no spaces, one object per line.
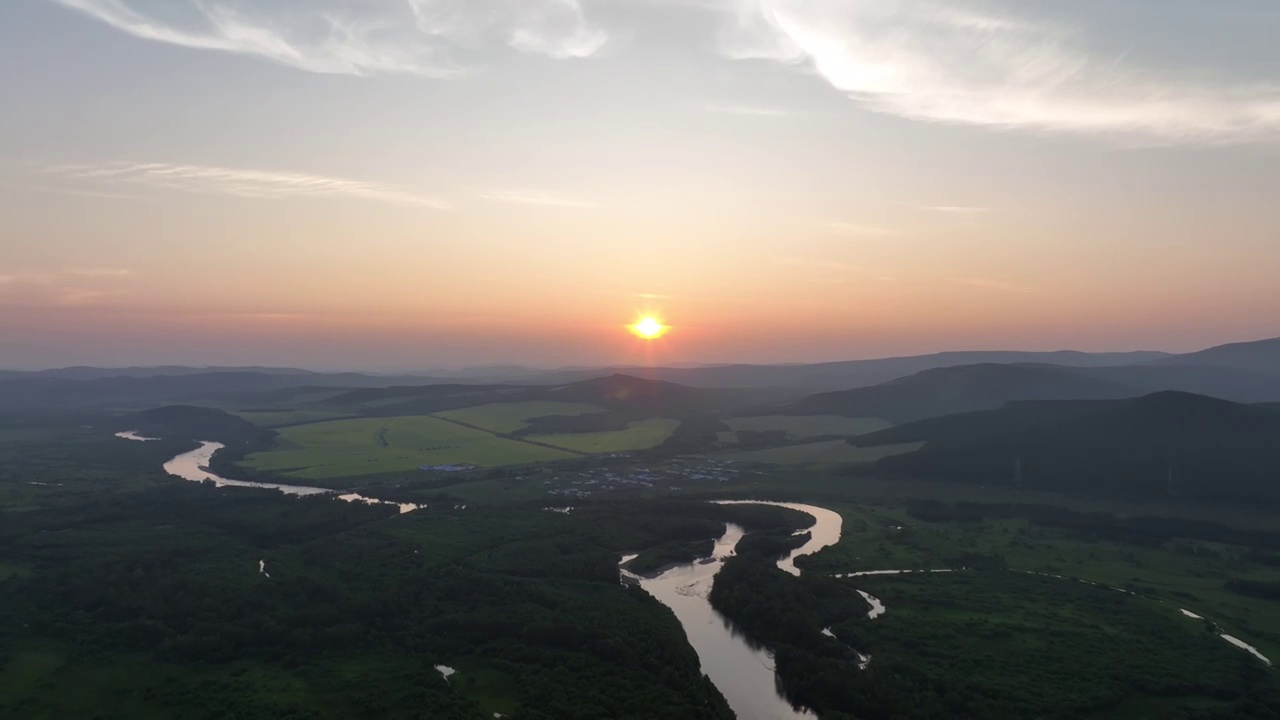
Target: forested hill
{"x":1165,"y":444}
{"x":625,"y":394}
{"x":38,"y":393}
{"x":184,"y":422}
{"x":1259,"y":356}
{"x":967,"y":388}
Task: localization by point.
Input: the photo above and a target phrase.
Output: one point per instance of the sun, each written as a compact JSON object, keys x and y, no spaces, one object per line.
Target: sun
{"x":648,"y":328}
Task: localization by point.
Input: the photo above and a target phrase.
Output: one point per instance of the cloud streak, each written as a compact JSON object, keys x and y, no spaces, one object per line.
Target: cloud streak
{"x":970,"y":62}
{"x":372,"y":37}
{"x":72,"y":287}
{"x":247,"y":183}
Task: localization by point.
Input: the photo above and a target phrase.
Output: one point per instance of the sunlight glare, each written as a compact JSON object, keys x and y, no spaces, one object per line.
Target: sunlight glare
{"x":649,"y":328}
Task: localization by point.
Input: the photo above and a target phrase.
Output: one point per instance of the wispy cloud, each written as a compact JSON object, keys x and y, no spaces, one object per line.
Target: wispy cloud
{"x":248,"y":183}
{"x":72,"y":287}
{"x":982,"y":62}
{"x":78,"y":296}
{"x":854,"y":229}
{"x":533,"y":197}
{"x":79,"y":192}
{"x":748,"y":110}
{"x":371,"y":37}
{"x":998,"y":285}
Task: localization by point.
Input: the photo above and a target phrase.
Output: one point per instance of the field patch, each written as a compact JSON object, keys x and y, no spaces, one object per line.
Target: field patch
{"x":8,"y":570}
{"x":639,"y":435}
{"x":510,"y":417}
{"x":281,"y":418}
{"x":809,"y":425}
{"x":369,"y":446}
{"x":832,"y":451}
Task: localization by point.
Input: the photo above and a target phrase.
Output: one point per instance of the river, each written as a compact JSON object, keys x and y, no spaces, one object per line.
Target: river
{"x":194,"y":466}
{"x":744,"y":673}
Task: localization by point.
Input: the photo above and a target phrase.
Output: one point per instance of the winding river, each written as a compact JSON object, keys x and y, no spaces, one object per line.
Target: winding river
{"x":194,"y":466}
{"x":743,"y":672}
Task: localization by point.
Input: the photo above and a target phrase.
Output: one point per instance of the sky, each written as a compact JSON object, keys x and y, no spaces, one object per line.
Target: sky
{"x":413,"y":184}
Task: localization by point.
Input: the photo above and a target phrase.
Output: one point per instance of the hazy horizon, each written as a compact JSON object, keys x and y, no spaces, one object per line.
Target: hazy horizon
{"x":402,"y":184}
{"x":651,"y":360}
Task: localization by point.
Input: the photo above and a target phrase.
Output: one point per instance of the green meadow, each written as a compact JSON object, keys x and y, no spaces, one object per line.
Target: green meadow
{"x":282,"y":418}
{"x":831,"y":451}
{"x":1182,"y":573}
{"x":369,"y":446}
{"x":639,"y":435}
{"x":809,"y":425}
{"x":509,"y":417}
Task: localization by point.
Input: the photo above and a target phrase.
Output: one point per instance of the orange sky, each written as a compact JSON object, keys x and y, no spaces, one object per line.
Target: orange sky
{"x":774,"y":199}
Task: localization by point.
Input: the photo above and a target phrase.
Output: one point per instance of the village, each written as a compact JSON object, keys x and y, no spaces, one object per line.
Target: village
{"x":673,"y":475}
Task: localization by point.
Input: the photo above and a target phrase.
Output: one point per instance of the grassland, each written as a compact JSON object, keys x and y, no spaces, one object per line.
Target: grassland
{"x":369,"y":446}
{"x":639,"y":435}
{"x":282,"y":418}
{"x":1183,"y":573}
{"x":510,"y":417}
{"x":809,"y":425}
{"x":831,"y":451}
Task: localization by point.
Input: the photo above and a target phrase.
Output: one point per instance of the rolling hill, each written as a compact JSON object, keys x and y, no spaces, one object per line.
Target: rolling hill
{"x":1164,"y":444}
{"x":38,"y":392}
{"x":1261,"y":356}
{"x":183,"y":422}
{"x":833,"y":376}
{"x":633,"y":396}
{"x":1235,"y":384}
{"x":966,"y":388}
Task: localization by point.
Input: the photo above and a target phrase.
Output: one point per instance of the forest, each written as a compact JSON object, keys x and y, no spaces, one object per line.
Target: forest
{"x":155,"y":598}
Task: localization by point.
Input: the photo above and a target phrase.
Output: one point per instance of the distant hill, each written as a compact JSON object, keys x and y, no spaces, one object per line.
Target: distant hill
{"x":654,"y":398}
{"x":1236,"y":384}
{"x":37,"y":392}
{"x":822,"y":377}
{"x":636,"y":397}
{"x":1261,"y":356}
{"x":946,"y":391}
{"x":97,"y":373}
{"x":1164,"y":444}
{"x":184,"y":422}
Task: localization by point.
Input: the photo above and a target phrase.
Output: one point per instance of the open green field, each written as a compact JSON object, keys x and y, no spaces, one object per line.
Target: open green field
{"x":831,"y":451}
{"x":281,"y":418}
{"x":1183,"y":573}
{"x":809,"y":425}
{"x":510,"y":417}
{"x":368,"y":446}
{"x":639,"y":435}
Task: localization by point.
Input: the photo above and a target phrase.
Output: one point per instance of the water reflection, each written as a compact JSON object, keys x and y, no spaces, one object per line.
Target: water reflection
{"x":194,"y":466}
{"x":133,"y":435}
{"x":743,"y":673}
{"x":824,"y":533}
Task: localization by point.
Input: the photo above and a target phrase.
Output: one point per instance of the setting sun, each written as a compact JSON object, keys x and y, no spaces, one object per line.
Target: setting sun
{"x":649,"y":328}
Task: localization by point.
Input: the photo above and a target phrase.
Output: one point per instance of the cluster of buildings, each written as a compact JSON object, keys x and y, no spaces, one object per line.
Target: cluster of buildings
{"x":674,"y":475}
